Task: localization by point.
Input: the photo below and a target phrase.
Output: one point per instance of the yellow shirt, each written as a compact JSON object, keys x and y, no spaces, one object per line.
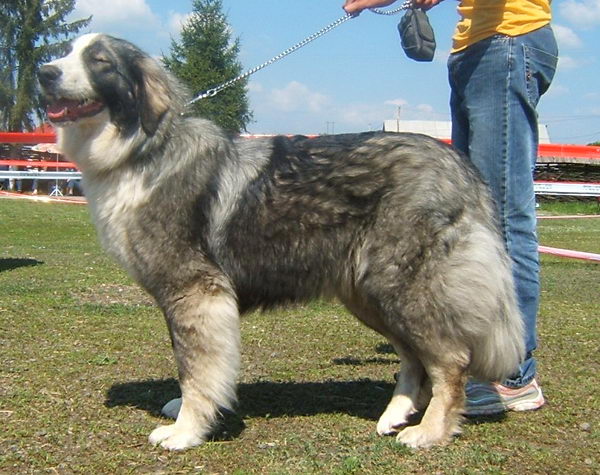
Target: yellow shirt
{"x":484,"y":18}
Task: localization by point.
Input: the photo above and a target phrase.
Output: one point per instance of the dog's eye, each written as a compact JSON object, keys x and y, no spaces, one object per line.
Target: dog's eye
{"x":102,"y":59}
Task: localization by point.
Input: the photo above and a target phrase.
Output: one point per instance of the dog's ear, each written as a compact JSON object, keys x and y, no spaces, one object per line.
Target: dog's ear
{"x":153,"y":94}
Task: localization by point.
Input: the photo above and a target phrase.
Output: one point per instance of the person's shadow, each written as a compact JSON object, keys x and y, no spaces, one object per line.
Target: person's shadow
{"x":9,"y":264}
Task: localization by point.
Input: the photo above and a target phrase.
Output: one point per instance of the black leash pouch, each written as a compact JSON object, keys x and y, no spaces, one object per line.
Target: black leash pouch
{"x":416,"y":35}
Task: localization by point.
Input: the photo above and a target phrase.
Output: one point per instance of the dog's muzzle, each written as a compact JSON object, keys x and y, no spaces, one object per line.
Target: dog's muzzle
{"x":64,"y":109}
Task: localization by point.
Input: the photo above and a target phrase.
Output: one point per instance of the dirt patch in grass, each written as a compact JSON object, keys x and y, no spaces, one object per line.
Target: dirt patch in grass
{"x":114,"y":294}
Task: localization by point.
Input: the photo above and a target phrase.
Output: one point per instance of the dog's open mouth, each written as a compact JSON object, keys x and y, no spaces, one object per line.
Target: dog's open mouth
{"x":64,"y":110}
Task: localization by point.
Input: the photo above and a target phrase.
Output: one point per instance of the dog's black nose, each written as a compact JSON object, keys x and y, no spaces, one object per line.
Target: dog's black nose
{"x":48,"y":74}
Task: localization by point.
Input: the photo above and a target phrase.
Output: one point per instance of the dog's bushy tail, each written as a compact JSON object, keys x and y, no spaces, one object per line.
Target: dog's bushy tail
{"x":491,"y":321}
{"x":502,"y":348}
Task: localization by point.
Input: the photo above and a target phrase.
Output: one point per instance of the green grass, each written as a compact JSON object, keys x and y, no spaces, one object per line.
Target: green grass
{"x":553,"y":206}
{"x":86,"y":365}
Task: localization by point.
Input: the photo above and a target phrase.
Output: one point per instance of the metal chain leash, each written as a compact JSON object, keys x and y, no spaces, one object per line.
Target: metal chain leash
{"x":215,"y":90}
{"x":405,"y":6}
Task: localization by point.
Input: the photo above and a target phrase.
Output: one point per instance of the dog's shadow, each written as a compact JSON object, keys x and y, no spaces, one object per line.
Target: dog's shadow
{"x":366,"y":399}
{"x":362,"y":398}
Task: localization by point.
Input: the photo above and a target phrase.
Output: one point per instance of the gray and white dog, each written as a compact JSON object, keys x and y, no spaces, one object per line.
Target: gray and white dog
{"x":399,"y":227}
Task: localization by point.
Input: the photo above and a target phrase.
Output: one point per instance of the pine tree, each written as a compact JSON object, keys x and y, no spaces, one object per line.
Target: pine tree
{"x":205,"y":57}
{"x":32,"y":32}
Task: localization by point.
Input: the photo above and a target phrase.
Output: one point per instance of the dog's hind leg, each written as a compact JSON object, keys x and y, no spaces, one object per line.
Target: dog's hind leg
{"x":443,"y":415}
{"x":405,"y":400}
{"x":205,"y":336}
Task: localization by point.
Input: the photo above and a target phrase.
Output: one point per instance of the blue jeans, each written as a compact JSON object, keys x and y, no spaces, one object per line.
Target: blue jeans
{"x":496,"y":85}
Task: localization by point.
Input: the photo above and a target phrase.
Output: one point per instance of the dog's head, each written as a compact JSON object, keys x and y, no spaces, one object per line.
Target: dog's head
{"x":106,"y":75}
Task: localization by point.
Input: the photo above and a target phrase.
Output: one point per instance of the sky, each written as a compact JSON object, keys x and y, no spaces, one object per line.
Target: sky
{"x":356,"y":76}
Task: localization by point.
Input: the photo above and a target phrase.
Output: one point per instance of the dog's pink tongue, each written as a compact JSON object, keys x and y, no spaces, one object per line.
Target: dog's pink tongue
{"x":60,"y":109}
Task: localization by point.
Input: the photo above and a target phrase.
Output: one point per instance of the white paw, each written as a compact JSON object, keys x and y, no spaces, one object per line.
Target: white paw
{"x":172,"y":437}
{"x":171,"y":409}
{"x":390,"y":422}
{"x":395,"y":415}
{"x":419,"y":438}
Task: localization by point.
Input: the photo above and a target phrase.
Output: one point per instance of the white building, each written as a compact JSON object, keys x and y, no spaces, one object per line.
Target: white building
{"x":439,"y":129}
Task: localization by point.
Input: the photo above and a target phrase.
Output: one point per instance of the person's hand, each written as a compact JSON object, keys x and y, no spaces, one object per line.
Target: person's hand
{"x":425,"y":4}
{"x":354,"y":7}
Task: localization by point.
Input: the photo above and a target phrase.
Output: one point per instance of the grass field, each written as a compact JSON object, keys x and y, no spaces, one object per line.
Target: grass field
{"x":86,"y":364}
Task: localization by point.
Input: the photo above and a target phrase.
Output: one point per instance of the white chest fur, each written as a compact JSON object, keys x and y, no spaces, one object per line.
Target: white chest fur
{"x":115,"y":202}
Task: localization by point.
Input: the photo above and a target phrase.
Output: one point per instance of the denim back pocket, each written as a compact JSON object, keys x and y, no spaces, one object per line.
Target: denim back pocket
{"x":540,"y":66}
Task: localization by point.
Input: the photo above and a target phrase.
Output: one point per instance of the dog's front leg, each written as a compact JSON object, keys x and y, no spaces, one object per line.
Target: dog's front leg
{"x":205,"y":334}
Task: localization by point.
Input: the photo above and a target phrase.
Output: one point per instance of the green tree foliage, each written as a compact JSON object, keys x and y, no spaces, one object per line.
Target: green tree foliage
{"x":32,"y":32}
{"x":206,"y":56}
